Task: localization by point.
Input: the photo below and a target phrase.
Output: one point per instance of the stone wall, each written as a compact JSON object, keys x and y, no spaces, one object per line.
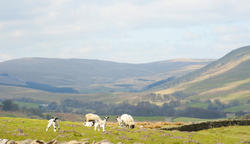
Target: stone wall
{"x":209,"y":124}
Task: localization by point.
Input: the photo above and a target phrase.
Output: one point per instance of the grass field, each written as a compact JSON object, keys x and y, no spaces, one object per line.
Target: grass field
{"x":21,"y":129}
{"x":189,"y":119}
{"x":143,"y":118}
{"x":77,"y":117}
{"x":27,"y":105}
{"x":238,"y":108}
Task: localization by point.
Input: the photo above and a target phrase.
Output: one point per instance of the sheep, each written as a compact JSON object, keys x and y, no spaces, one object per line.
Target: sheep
{"x":101,"y":123}
{"x":54,"y":122}
{"x":88,"y":124}
{"x":120,"y":122}
{"x":126,"y":120}
{"x":91,"y":117}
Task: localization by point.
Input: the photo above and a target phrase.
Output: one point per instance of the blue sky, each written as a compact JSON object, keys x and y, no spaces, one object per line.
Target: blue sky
{"x":134,"y":31}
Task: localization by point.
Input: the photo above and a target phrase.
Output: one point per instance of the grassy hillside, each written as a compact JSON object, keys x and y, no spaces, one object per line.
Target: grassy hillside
{"x":20,"y":129}
{"x":89,"y":76}
{"x":11,"y":92}
{"x":226,"y":80}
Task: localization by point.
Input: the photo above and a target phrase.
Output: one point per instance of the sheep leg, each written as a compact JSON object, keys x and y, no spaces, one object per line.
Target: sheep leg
{"x":103,"y":128}
{"x":57,"y":125}
{"x":95,"y":127}
{"x":54,"y":125}
{"x":49,"y":125}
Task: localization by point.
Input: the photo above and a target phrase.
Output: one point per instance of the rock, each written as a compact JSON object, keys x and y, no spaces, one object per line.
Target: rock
{"x":27,"y":141}
{"x":3,"y":141}
{"x":85,"y":142}
{"x":119,"y":143}
{"x":11,"y":142}
{"x":52,"y":142}
{"x":73,"y":142}
{"x":85,"y":139}
{"x":37,"y":142}
{"x":104,"y":142}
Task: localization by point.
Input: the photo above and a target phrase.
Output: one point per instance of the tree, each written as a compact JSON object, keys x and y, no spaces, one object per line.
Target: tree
{"x":53,"y":106}
{"x":8,"y":105}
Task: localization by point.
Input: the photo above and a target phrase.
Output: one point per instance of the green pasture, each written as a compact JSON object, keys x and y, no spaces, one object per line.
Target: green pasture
{"x":189,"y":119}
{"x":22,"y":128}
{"x":144,"y":118}
{"x":27,"y":104}
{"x":238,"y":108}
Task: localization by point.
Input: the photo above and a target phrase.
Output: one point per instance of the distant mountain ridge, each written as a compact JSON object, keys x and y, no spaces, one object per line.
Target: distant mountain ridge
{"x":90,"y":76}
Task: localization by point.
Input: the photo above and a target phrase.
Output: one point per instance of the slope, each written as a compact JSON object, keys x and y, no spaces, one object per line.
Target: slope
{"x":226,"y":80}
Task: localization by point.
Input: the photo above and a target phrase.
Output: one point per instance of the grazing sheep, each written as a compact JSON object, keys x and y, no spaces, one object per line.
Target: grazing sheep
{"x":120,"y":122}
{"x":101,"y":123}
{"x":91,"y":117}
{"x":88,"y":124}
{"x":54,"y":122}
{"x":126,"y":120}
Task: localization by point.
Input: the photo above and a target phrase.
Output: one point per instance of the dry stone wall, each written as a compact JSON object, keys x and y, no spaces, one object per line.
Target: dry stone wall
{"x":209,"y":124}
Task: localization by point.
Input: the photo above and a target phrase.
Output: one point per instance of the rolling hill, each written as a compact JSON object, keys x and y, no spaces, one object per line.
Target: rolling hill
{"x":90,"y":76}
{"x":226,"y":80}
{"x":184,"y":84}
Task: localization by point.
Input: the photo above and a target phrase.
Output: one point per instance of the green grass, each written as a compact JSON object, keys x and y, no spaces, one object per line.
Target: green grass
{"x":142,"y":118}
{"x":238,"y":108}
{"x":8,"y":115}
{"x":27,"y":105}
{"x":21,"y":129}
{"x":150,"y":118}
{"x":189,"y":119}
{"x":198,"y":105}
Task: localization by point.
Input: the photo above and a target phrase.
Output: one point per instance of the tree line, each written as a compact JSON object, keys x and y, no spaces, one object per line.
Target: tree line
{"x":214,"y":109}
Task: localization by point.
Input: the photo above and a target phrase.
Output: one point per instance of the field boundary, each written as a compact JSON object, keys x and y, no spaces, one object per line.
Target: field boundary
{"x":209,"y":124}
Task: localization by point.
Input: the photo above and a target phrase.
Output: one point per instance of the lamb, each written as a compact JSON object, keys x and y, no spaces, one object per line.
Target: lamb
{"x":54,"y":122}
{"x":91,"y":117}
{"x":101,"y":124}
{"x":126,"y":120}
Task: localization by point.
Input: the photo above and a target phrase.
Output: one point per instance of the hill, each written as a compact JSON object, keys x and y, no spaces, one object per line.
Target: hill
{"x":226,"y":80}
{"x":90,"y":76}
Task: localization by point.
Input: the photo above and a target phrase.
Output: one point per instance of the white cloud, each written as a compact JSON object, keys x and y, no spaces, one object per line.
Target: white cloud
{"x":131,"y":30}
{"x":4,"y":57}
{"x":76,"y":52}
{"x":1,"y":26}
{"x":17,"y":33}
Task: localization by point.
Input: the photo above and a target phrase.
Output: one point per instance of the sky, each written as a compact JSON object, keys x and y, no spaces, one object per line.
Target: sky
{"x":133,"y":31}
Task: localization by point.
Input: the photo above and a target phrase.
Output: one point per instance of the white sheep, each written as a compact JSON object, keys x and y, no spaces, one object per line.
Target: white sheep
{"x":88,"y":124}
{"x":120,"y":122}
{"x":91,"y":117}
{"x":126,"y":120}
{"x":101,"y":124}
{"x":54,"y":122}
